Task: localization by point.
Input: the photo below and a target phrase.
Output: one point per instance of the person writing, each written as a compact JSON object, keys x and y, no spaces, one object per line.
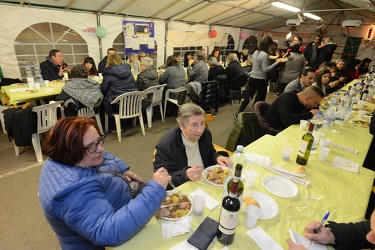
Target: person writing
{"x":360,"y":235}
{"x":187,"y":149}
{"x":291,"y":107}
{"x":84,"y":190}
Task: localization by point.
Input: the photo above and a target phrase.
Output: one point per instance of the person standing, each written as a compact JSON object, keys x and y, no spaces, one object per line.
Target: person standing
{"x":52,"y":68}
{"x":326,"y":50}
{"x":293,"y":67}
{"x":261,"y":66}
{"x":311,"y":51}
{"x":103,"y":63}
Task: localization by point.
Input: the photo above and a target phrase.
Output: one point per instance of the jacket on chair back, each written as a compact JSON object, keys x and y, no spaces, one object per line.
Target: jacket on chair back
{"x":90,"y":210}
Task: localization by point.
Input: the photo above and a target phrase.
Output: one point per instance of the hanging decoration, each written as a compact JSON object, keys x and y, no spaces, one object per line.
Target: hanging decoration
{"x":213,"y":33}
{"x":243,"y":35}
{"x":100,"y":32}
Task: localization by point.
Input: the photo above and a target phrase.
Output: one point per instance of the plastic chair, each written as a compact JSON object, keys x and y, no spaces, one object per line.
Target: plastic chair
{"x":46,"y":119}
{"x":88,"y":112}
{"x":2,"y":108}
{"x":157,"y":95}
{"x":167,"y":98}
{"x":130,"y":106}
{"x":210,"y":95}
{"x":238,"y":95}
{"x":237,"y":82}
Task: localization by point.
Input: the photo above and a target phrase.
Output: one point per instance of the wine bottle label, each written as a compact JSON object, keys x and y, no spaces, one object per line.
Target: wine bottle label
{"x":302,"y":148}
{"x":228,"y":221}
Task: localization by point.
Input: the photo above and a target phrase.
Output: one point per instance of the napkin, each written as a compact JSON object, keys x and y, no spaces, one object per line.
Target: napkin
{"x":211,"y":203}
{"x":184,"y":245}
{"x":298,"y":239}
{"x":174,"y":228}
{"x":263,"y":240}
{"x":345,"y":164}
{"x":18,"y":90}
{"x":259,"y":160}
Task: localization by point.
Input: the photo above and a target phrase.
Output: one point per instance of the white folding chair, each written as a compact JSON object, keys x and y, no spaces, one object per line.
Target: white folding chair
{"x":130,"y":106}
{"x":157,"y":95}
{"x":2,"y":108}
{"x":88,"y":112}
{"x":170,"y":99}
{"x":46,"y":119}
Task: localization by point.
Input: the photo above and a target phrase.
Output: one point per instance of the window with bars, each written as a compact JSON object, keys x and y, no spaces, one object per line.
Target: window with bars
{"x":33,"y":44}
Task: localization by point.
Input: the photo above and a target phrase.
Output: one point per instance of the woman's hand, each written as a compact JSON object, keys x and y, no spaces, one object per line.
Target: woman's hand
{"x":129,"y":175}
{"x":194,"y":173}
{"x":224,"y":161}
{"x":162,"y":177}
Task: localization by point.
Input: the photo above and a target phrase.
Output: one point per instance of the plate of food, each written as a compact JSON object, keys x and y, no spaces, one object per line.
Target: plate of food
{"x":269,"y":207}
{"x":30,"y":91}
{"x":175,"y":206}
{"x":362,"y":123}
{"x":18,"y":84}
{"x":280,"y":186}
{"x":216,"y":175}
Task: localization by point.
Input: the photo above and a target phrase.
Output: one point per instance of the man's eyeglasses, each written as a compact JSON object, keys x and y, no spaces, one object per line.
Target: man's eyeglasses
{"x":93,"y":146}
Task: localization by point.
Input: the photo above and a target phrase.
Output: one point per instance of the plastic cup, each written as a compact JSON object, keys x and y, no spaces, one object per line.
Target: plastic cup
{"x":253,"y":213}
{"x":324,"y":142}
{"x":37,"y":85}
{"x":198,"y":204}
{"x":250,"y":176}
{"x":46,"y":83}
{"x":361,"y":103}
{"x":286,"y":153}
{"x":324,"y":151}
{"x":31,"y":85}
{"x":361,"y":113}
{"x":303,"y":124}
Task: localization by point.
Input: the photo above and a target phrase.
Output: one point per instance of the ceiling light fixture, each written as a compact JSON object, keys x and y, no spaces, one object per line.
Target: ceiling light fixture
{"x":286,"y":6}
{"x":312,"y":16}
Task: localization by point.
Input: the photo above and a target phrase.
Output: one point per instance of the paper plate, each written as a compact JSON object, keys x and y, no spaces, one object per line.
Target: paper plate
{"x":268,"y":205}
{"x":280,"y":186}
{"x":171,"y":192}
{"x":210,"y":168}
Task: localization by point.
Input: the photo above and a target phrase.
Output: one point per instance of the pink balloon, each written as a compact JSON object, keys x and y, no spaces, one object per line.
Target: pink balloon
{"x":243,"y":35}
{"x":213,"y":33}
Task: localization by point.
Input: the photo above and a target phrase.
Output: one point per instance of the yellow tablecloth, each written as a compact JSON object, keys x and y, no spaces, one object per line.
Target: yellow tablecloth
{"x":17,"y":94}
{"x":344,"y":194}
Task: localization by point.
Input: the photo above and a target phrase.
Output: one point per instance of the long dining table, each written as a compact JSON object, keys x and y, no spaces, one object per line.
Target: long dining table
{"x":18,"y":93}
{"x":343,"y":193}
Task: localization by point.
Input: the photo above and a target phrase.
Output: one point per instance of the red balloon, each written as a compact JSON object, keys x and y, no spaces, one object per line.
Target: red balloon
{"x":213,"y":33}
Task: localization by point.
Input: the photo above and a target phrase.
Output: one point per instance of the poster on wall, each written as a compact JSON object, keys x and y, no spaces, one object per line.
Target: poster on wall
{"x":139,"y":36}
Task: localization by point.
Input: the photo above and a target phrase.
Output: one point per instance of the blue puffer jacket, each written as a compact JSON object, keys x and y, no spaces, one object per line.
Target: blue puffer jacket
{"x":89,"y":210}
{"x":117,"y":80}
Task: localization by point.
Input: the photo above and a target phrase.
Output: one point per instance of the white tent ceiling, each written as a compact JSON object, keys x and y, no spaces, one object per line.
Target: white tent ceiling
{"x":250,"y":14}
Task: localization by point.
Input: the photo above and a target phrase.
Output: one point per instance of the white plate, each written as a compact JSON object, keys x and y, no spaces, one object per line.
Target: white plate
{"x":280,"y":186}
{"x":170,"y":192}
{"x":211,"y":168}
{"x":268,"y":205}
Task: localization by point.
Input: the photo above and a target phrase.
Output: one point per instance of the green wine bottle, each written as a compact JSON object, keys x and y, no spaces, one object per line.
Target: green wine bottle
{"x":305,"y":147}
{"x":237,"y":175}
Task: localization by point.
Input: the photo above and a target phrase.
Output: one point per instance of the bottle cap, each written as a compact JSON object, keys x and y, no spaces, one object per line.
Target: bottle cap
{"x":239,"y":148}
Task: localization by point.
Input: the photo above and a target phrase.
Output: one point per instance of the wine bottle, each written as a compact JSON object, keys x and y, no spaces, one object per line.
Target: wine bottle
{"x":229,"y":215}
{"x":237,"y":176}
{"x":305,"y":147}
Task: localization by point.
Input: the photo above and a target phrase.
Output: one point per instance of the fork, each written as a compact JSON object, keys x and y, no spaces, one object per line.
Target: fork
{"x":172,"y":185}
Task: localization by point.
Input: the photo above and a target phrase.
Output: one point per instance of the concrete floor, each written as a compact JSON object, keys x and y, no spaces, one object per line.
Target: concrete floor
{"x":22,"y":225}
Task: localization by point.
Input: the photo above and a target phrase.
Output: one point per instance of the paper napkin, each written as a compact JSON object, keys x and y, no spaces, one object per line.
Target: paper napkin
{"x":211,"y":203}
{"x":298,"y":239}
{"x":258,"y":159}
{"x":263,"y":240}
{"x":184,"y":245}
{"x":345,"y":164}
{"x":174,"y":228}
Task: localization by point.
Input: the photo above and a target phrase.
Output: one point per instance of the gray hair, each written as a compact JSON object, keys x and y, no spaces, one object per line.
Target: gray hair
{"x":232,"y":57}
{"x":200,"y":55}
{"x":147,"y":61}
{"x":188,"y":110}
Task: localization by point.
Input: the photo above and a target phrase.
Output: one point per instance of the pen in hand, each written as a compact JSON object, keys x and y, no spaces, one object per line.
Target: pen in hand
{"x":316,"y":230}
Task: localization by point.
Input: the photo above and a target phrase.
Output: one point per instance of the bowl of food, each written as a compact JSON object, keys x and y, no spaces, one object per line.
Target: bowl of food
{"x":175,"y":206}
{"x":216,"y":175}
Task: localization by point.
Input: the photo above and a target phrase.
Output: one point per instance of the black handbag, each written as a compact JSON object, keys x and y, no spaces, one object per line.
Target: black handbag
{"x":134,"y":185}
